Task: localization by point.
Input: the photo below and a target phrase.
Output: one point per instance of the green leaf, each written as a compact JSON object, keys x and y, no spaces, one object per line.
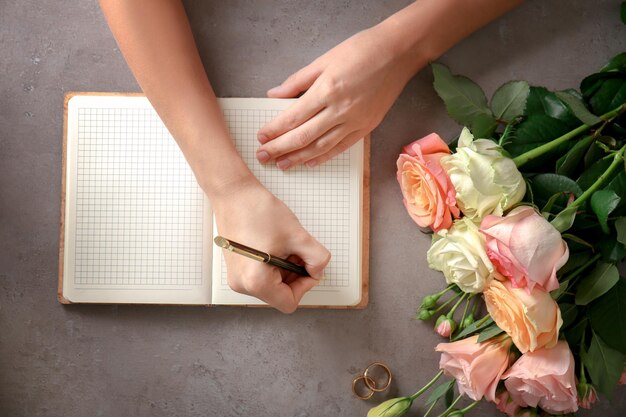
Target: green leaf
{"x":439,"y":392}
{"x":535,"y":131}
{"x":617,"y":63}
{"x":611,"y":249}
{"x":568,"y":313}
{"x":563,"y":286}
{"x":575,"y":261}
{"x":599,"y":281}
{"x":618,"y":186}
{"x":575,"y":333}
{"x":473,"y":328}
{"x":567,"y":164}
{"x":565,"y":219}
{"x":489,"y":332}
{"x":576,"y":240}
{"x":593,"y":155}
{"x":465,"y":101}
{"x":604,"y":365}
{"x":610,"y":94}
{"x":542,"y":102}
{"x":547,"y":209}
{"x":622,"y":12}
{"x":483,"y":127}
{"x":550,"y":184}
{"x":590,"y":176}
{"x":620,"y":227}
{"x":509,"y":101}
{"x":608,"y":316}
{"x":577,"y":107}
{"x":447,"y":401}
{"x":603,"y":202}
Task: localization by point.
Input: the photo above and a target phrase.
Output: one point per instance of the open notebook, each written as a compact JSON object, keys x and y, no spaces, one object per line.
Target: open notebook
{"x":137,"y":228}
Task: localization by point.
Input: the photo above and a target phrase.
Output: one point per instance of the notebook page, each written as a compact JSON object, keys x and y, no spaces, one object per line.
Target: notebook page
{"x":326,"y":200}
{"x":135,"y":214}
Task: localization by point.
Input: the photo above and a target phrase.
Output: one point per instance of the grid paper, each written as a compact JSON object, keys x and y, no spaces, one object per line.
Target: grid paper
{"x":320,"y":197}
{"x":138,"y":206}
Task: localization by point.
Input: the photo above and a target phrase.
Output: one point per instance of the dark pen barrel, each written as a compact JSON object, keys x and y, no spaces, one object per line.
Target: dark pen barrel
{"x":289,"y":266}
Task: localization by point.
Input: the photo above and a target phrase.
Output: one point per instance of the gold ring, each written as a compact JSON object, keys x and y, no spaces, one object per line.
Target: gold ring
{"x":367,"y":378}
{"x":366,"y":384}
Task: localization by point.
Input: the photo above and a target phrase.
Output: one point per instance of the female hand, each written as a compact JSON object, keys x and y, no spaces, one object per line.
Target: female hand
{"x":349,"y":90}
{"x":252,"y":216}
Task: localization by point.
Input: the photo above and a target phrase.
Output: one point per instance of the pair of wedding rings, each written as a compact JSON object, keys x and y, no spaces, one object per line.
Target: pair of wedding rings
{"x":375,"y":378}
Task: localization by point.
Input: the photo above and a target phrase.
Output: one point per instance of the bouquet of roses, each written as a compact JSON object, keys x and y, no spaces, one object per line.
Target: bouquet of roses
{"x":528,"y":212}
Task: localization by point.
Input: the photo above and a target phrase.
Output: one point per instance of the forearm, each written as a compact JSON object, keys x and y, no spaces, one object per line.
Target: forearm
{"x":424,"y":30}
{"x":156,"y":40}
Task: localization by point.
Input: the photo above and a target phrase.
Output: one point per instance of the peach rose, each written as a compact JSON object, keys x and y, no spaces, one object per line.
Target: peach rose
{"x":477,"y":367}
{"x":531,"y":319}
{"x":427,"y":192}
{"x":525,"y":247}
{"x":505,"y":404}
{"x":544,"y":378}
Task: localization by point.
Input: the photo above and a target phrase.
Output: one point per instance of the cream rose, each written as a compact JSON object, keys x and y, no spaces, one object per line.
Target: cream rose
{"x":486,"y":182}
{"x":460,"y":254}
{"x":544,"y":378}
{"x":532,"y":319}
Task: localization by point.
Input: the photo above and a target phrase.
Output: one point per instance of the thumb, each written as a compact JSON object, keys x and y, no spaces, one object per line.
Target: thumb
{"x":296,"y":83}
{"x":314,"y":255}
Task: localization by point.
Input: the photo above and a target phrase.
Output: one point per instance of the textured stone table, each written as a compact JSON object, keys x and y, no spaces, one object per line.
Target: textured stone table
{"x":121,"y":360}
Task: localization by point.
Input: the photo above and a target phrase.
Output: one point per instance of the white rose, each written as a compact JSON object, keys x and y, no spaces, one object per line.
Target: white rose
{"x":486,"y":182}
{"x":459,"y":252}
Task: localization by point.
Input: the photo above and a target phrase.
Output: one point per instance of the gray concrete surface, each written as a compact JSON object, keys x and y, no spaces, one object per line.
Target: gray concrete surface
{"x":111,"y":360}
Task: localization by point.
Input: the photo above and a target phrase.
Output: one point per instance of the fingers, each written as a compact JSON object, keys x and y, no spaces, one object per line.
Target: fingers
{"x":296,"y":83}
{"x":298,"y":113}
{"x":285,"y":297}
{"x":325,"y":144}
{"x":314,"y":255}
{"x":298,"y":138}
{"x":342,"y":146}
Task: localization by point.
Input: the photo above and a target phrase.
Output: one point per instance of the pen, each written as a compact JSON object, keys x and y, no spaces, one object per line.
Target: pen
{"x":260,"y":256}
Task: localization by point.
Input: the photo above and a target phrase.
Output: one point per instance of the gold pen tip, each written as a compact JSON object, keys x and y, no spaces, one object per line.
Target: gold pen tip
{"x":221,"y":242}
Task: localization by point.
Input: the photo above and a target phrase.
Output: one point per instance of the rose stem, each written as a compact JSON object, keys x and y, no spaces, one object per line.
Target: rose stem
{"x":546,"y":147}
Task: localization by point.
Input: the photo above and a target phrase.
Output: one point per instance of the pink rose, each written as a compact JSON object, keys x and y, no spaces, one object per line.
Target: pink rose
{"x":505,"y":404}
{"x":427,"y":192}
{"x":531,"y":319}
{"x":544,"y":378}
{"x":477,"y":367}
{"x":525,"y":247}
{"x":445,"y":326}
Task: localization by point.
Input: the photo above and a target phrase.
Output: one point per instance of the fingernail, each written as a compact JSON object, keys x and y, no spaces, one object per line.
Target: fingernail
{"x":262,"y":156}
{"x":261,"y":138}
{"x":311,"y":164}
{"x":283,"y":163}
{"x":272,"y":90}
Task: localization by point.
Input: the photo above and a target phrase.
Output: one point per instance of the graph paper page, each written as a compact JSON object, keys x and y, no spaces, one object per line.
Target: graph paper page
{"x":326,"y":199}
{"x":136,"y":223}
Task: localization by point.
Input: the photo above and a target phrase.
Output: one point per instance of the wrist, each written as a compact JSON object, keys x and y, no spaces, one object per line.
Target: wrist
{"x":222,"y":187}
{"x":407,"y":41}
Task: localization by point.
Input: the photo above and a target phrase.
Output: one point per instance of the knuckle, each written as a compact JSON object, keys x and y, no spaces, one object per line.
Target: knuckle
{"x":235,"y":285}
{"x":253,"y":286}
{"x":289,"y":308}
{"x":302,"y":138}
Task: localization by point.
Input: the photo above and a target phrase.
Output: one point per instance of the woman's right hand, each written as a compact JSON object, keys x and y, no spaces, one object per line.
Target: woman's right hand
{"x":249,"y":214}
